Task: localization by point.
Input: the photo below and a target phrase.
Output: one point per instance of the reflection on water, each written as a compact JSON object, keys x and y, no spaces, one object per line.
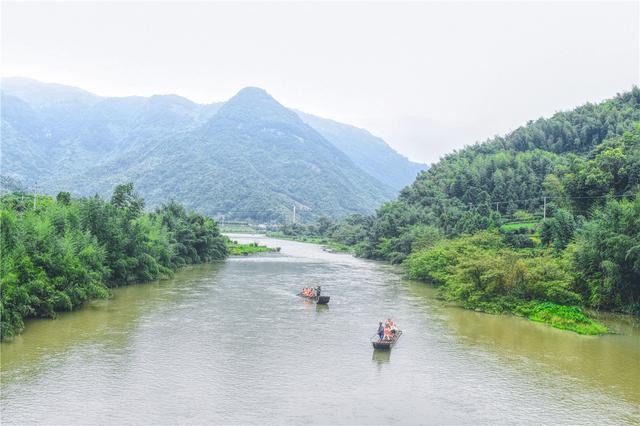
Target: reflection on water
{"x":610,"y":362}
{"x":381,"y":356}
{"x":101,"y":325}
{"x":322,"y":308}
{"x":232,"y":343}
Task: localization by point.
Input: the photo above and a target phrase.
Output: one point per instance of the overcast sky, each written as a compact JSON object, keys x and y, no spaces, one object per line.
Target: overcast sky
{"x":427,"y":77}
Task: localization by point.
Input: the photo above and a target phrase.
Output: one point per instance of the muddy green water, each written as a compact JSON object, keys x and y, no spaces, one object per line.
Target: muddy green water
{"x":231,"y":343}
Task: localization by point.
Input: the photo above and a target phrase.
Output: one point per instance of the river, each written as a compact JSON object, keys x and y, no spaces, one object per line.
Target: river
{"x":231,"y":343}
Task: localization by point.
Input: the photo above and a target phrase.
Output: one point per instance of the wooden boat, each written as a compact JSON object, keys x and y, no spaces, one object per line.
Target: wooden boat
{"x":385,"y":344}
{"x":322,"y":300}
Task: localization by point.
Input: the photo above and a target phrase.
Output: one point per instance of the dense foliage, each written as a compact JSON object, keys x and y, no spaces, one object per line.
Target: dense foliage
{"x":547,"y":214}
{"x":66,"y":250}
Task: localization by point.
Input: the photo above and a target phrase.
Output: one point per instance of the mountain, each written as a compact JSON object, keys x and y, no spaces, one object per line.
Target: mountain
{"x":369,"y":152}
{"x":39,"y":94}
{"x":51,"y":130}
{"x":247,"y":158}
{"x":8,"y":185}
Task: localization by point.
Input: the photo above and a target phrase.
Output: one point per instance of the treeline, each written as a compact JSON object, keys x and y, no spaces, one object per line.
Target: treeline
{"x":69,"y":250}
{"x":472,"y":223}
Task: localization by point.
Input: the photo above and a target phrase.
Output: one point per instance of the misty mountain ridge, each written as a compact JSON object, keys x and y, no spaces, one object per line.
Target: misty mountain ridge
{"x":249,"y":157}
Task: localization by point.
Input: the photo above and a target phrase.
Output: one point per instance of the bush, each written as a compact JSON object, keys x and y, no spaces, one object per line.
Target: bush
{"x":482,"y":272}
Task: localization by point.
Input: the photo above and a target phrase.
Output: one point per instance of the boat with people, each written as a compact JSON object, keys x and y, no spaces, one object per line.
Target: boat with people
{"x":315,"y":295}
{"x":387,"y":335}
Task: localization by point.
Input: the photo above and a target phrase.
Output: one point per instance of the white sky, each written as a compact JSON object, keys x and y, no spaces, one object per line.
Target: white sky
{"x":428,"y":77}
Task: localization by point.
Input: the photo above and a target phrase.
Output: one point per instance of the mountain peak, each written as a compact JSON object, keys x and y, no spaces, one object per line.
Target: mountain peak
{"x":254,"y":92}
{"x":255,"y":96}
{"x":255,"y":104}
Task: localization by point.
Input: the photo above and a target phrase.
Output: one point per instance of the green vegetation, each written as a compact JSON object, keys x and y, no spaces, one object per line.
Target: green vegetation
{"x":238,"y":229}
{"x":473,"y":223}
{"x":481,"y":272}
{"x":510,"y":227}
{"x":237,"y":249}
{"x":69,"y":250}
{"x":566,"y":318}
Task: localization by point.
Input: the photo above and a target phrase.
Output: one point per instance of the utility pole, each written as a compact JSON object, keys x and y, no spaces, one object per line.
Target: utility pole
{"x":544,"y":210}
{"x":294,"y":214}
{"x":444,"y":213}
{"x":35,"y":194}
{"x":497,"y":210}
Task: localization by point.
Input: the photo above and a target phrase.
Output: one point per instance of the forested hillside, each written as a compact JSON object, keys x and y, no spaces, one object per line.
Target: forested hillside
{"x":370,"y":153}
{"x":574,"y":158}
{"x":61,"y":252}
{"x":253,"y":159}
{"x":49,"y":130}
{"x":64,"y":137}
{"x":548,"y":213}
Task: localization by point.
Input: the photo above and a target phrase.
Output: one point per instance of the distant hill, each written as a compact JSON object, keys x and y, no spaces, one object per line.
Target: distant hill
{"x":247,"y":158}
{"x":39,"y":94}
{"x":369,"y":152}
{"x":64,"y":130}
{"x":9,"y":185}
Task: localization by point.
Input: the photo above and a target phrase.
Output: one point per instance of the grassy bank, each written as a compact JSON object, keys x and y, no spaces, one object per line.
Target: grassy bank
{"x":236,"y":249}
{"x":327,"y":244}
{"x":571,"y":318}
{"x":566,"y":318}
{"x":238,"y":229}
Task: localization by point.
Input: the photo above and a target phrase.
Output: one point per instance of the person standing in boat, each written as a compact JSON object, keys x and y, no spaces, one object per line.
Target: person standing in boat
{"x":381,"y":331}
{"x":318,"y":289}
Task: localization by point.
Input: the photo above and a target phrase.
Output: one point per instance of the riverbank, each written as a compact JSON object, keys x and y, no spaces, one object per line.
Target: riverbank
{"x":483,"y":274}
{"x":233,"y":248}
{"x":327,"y":244}
{"x":244,"y":249}
{"x":61,"y":252}
{"x":570,"y":318}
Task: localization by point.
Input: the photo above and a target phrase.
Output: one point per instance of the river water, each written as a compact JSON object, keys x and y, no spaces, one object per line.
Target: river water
{"x":231,"y":343}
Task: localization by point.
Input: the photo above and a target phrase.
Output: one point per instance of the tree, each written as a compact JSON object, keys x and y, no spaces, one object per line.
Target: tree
{"x":559,"y":229}
{"x":607,"y":259}
{"x":63,"y":198}
{"x":126,"y":199}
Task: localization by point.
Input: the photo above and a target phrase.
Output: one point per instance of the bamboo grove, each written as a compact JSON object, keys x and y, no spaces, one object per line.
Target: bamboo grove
{"x":64,"y":251}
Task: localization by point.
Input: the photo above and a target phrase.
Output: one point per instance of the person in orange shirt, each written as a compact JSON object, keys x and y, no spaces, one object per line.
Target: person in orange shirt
{"x":387,"y":332}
